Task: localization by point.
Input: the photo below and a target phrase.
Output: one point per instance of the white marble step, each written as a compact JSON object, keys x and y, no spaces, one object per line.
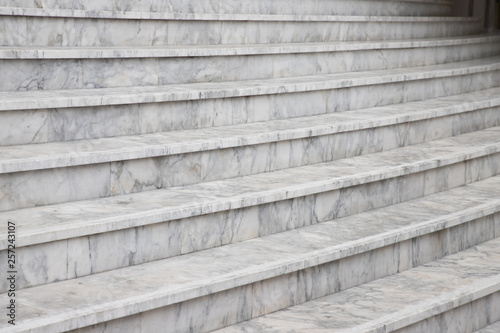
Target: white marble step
{"x":89,"y":67}
{"x":66,"y":115}
{"x":493,"y":328}
{"x":64,"y":27}
{"x":315,"y":7}
{"x":249,"y":277}
{"x":216,"y":213}
{"x":24,"y":100}
{"x":74,"y":153}
{"x":459,"y":293}
{"x":118,"y":52}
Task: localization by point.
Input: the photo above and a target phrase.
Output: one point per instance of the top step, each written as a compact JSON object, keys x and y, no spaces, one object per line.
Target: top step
{"x":312,"y":7}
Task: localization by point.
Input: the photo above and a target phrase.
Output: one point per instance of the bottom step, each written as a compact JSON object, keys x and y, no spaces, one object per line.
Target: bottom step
{"x":459,"y":293}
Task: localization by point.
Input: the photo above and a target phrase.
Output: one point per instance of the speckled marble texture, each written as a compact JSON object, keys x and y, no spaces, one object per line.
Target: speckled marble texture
{"x":61,"y":27}
{"x":257,"y":62}
{"x":318,"y":7}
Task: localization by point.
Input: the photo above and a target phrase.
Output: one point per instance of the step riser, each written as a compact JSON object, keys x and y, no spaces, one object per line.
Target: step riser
{"x":132,"y":176}
{"x":242,"y":303}
{"x":66,"y":259}
{"x":30,"y":31}
{"x":49,"y":125}
{"x":317,"y":7}
{"x":465,"y":319}
{"x":48,"y":74}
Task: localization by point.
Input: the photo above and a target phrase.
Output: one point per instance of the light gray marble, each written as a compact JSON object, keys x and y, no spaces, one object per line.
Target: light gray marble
{"x":17,"y":188}
{"x":429,"y":290}
{"x":50,"y":74}
{"x":267,"y":102}
{"x":63,"y":27}
{"x":155,"y":162}
{"x":80,"y":256}
{"x":448,"y":295}
{"x":23,"y":100}
{"x":493,"y":328}
{"x":315,"y":7}
{"x":123,"y":52}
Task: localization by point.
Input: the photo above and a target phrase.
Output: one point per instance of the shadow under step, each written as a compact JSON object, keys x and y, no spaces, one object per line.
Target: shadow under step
{"x":241,"y":281}
{"x":459,"y":293}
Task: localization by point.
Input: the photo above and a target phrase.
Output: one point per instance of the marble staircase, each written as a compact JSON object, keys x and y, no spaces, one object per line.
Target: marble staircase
{"x":192,"y":166}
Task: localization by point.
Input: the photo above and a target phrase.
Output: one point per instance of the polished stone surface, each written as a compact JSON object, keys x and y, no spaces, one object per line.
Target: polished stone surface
{"x":187,"y":165}
{"x":73,"y":153}
{"x":63,"y":27}
{"x":22,"y":100}
{"x":315,"y":7}
{"x":42,"y":263}
{"x":493,"y":328}
{"x":398,"y":301}
{"x":149,"y":207}
{"x":428,"y":290}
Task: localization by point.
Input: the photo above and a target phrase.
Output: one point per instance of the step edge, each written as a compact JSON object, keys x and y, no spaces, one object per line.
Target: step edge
{"x":138,"y":15}
{"x":83,"y":53}
{"x":47,"y":99}
{"x":130,"y":220}
{"x":242,"y":277}
{"x":74,"y":157}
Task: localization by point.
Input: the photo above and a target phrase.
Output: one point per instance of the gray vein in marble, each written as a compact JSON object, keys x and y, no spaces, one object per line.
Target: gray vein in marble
{"x":153,"y":285}
{"x":54,"y":52}
{"x":64,"y":154}
{"x":125,"y":211}
{"x":69,"y":13}
{"x":393,"y":302}
{"x":21,"y":100}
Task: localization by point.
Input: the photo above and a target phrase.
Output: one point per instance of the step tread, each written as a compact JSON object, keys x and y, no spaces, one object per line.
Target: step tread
{"x":393,"y":302}
{"x":81,"y":152}
{"x":23,"y":100}
{"x":143,"y":287}
{"x":112,"y":52}
{"x":130,"y":15}
{"x":73,"y":219}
